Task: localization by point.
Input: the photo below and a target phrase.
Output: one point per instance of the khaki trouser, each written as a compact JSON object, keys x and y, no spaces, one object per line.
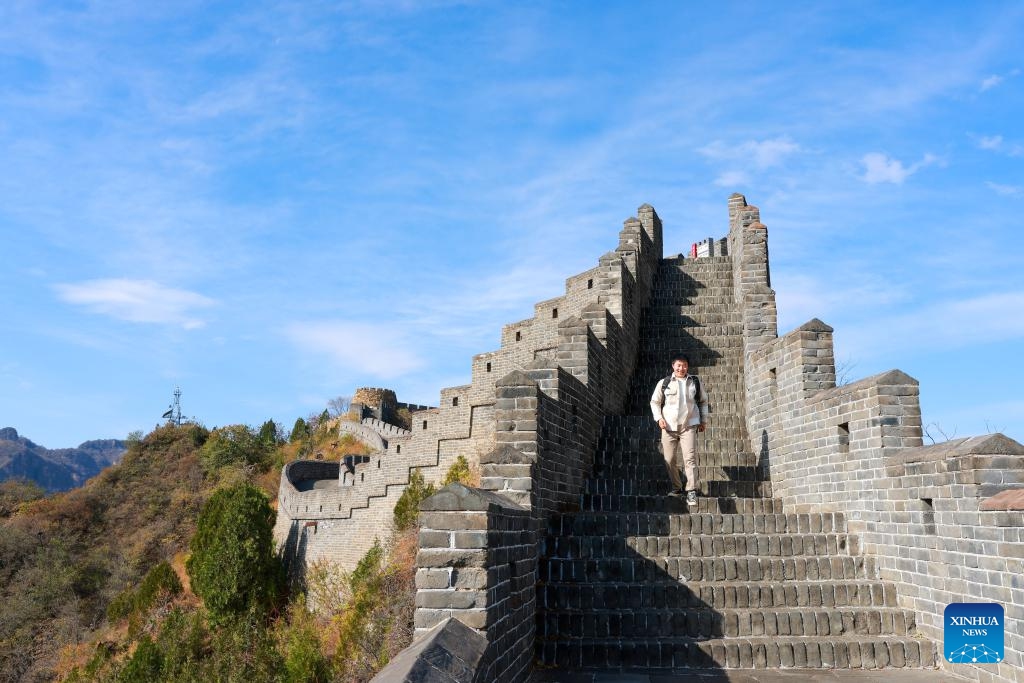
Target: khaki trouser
{"x":682,"y":443}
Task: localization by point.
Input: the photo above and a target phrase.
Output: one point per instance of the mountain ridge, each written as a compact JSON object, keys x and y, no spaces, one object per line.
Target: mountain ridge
{"x":57,"y":469}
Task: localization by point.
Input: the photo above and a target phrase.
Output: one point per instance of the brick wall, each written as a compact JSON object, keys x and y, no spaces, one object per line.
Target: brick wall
{"x":857,"y":450}
{"x":478,"y":563}
{"x":597,"y":315}
{"x":478,"y":556}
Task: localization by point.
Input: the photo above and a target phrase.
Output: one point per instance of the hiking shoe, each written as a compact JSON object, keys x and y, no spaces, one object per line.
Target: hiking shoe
{"x":691,"y":497}
{"x":675,"y":493}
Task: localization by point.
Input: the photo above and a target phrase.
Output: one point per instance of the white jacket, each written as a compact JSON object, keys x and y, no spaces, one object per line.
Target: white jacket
{"x":679,"y":408}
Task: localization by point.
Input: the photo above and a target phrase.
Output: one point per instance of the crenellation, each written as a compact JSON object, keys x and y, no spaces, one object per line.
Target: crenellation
{"x":822,"y":512}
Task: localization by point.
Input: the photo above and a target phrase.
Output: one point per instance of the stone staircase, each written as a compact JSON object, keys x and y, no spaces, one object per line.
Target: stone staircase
{"x":635,"y":580}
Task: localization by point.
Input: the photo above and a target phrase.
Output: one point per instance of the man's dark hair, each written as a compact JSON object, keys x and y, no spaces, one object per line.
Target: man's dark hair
{"x":680,"y":356}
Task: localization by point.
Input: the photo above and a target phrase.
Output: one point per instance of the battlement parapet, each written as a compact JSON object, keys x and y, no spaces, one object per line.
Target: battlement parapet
{"x":366,"y":433}
{"x":921,"y":512}
{"x":385,"y":429}
{"x":600,"y":308}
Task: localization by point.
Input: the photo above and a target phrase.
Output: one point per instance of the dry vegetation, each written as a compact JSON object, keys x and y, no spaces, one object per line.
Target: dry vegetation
{"x":95,"y":586}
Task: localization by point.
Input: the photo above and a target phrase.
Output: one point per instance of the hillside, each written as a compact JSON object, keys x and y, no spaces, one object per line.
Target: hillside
{"x":63,"y":558}
{"x":74,"y":568}
{"x":56,"y":469}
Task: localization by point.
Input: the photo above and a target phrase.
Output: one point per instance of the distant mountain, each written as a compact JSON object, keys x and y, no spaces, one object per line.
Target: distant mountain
{"x":58,"y":469}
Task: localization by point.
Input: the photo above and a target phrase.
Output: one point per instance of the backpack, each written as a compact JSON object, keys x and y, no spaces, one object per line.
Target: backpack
{"x":697,"y":395}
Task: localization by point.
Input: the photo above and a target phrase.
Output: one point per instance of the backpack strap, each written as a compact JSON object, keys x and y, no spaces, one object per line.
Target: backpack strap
{"x":697,"y":395}
{"x":664,"y":386}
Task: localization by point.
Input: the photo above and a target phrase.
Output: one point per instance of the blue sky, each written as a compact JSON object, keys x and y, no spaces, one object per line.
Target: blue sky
{"x":270,"y":204}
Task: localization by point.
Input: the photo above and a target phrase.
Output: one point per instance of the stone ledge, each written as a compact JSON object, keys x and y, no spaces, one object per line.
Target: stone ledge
{"x":459,"y":498}
{"x":516,"y":378}
{"x":507,"y":455}
{"x":449,"y":653}
{"x":987,"y":444}
{"x":890,"y":378}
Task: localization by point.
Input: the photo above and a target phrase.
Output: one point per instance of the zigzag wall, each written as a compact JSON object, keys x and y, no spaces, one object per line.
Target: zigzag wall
{"x":338,"y":523}
{"x":934,"y":522}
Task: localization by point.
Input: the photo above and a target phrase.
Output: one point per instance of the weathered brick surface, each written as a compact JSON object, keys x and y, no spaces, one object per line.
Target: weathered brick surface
{"x":921,"y":512}
{"x":477,"y":563}
{"x":827,"y":535}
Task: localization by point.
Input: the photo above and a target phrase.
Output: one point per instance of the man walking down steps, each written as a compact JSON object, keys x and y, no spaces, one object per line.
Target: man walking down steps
{"x":680,"y":407}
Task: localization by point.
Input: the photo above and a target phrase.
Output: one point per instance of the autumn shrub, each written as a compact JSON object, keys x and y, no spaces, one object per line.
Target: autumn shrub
{"x":238,"y":445}
{"x":407,"y":509}
{"x":300,"y":644}
{"x":182,"y":643}
{"x":144,"y":665}
{"x":460,"y":472}
{"x":242,"y":650}
{"x":17,"y":492}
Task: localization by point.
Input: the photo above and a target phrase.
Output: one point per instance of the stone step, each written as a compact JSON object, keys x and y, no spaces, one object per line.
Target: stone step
{"x":760,"y":652}
{"x":658,"y":484}
{"x":601,"y":502}
{"x":716,"y":595}
{"x":644,"y":429}
{"x":647,"y":450}
{"x":722,"y":425}
{"x":647,"y":439}
{"x":732,"y":506}
{"x":710,"y":310}
{"x":702,"y":622}
{"x":633,"y":524}
{"x":793,"y":544}
{"x":646,"y":461}
{"x":644,"y":569}
{"x":719,"y":380}
{"x":712,"y":442}
{"x":670,"y":316}
{"x":718,"y":368}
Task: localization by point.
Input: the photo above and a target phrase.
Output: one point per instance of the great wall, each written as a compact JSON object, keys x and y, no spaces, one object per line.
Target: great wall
{"x":827,"y":536}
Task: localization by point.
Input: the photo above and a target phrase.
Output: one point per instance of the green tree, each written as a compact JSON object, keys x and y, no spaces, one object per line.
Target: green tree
{"x":268,"y":433}
{"x":233,"y":567}
{"x":234,"y":445}
{"x":300,"y":431}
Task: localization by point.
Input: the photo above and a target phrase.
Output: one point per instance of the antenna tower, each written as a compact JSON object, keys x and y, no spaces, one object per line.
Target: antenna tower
{"x":173,"y":413}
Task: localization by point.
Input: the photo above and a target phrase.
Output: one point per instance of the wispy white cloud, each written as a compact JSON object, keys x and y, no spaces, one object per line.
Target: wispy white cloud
{"x":996,"y":143}
{"x":850,"y":289}
{"x":991,"y":82}
{"x":379,"y":350}
{"x":881,"y":168}
{"x":1006,"y":190}
{"x":743,"y":158}
{"x":991,"y":142}
{"x":732,"y":179}
{"x":760,"y":154}
{"x":139,"y":301}
{"x":948,"y":324}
